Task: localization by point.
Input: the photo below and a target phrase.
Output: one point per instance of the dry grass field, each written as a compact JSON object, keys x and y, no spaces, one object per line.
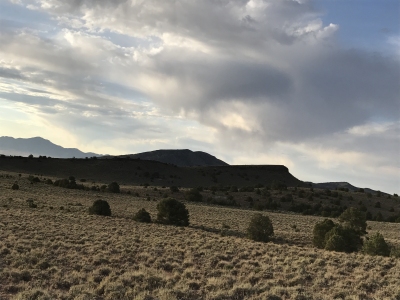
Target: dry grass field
{"x":59,"y":251}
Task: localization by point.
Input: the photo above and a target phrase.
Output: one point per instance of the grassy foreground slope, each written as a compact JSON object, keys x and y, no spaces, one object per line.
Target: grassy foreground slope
{"x":58,"y":251}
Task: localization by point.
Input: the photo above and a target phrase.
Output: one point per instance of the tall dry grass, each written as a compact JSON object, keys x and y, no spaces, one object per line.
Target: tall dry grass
{"x":58,"y":251}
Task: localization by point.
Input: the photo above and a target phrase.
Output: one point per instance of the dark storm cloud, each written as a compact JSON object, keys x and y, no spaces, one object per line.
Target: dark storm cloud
{"x":313,"y":95}
{"x":221,"y":80}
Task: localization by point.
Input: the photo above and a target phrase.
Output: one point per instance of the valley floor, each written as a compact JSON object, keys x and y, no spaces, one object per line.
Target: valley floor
{"x":58,"y":251}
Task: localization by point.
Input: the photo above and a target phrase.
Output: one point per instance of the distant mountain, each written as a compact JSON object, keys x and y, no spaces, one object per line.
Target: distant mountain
{"x":180,"y":158}
{"x":338,"y":185}
{"x":38,"y":146}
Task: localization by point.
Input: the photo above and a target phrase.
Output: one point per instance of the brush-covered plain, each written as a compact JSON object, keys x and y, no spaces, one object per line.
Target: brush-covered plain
{"x":51,"y":248}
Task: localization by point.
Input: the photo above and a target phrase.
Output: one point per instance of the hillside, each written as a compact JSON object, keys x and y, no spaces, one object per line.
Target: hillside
{"x":38,"y":146}
{"x":135,"y":171}
{"x":180,"y":158}
{"x":55,"y":250}
{"x":244,"y":186}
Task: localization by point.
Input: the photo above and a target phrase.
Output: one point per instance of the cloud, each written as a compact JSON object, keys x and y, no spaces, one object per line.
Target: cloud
{"x":254,"y":74}
{"x":275,"y":57}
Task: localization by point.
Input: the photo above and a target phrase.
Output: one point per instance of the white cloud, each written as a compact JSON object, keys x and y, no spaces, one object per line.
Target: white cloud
{"x":253,"y":75}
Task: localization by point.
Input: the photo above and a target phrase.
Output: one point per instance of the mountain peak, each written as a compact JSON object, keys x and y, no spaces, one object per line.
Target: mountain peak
{"x":38,"y":146}
{"x":179,"y":157}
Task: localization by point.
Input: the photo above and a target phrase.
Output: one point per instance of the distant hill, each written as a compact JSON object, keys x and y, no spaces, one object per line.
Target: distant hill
{"x":38,"y":146}
{"x":128,"y":171}
{"x":195,"y":167}
{"x":180,"y":158}
{"x":339,"y":185}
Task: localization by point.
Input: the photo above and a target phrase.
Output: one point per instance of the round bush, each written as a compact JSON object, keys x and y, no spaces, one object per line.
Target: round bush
{"x":350,"y":239}
{"x":100,"y":207}
{"x":172,"y":212}
{"x":194,"y":195}
{"x":376,"y":245}
{"x":335,"y":243}
{"x":113,"y":187}
{"x":174,"y":189}
{"x":355,"y":219}
{"x":260,"y":228}
{"x":15,"y":186}
{"x":319,"y":232}
{"x":142,"y":216}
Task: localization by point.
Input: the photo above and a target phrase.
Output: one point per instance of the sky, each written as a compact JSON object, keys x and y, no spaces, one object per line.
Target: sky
{"x":310,"y":84}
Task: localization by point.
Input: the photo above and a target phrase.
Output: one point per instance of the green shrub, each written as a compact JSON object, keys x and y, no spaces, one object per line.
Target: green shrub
{"x":260,"y":228}
{"x":335,"y":242}
{"x":174,"y":189}
{"x":376,"y":245}
{"x":346,"y":240}
{"x":67,"y":183}
{"x":33,"y":179}
{"x":15,"y":187}
{"x":172,"y":212}
{"x":61,"y":183}
{"x":194,"y":195}
{"x":334,"y":237}
{"x":142,"y":216}
{"x":100,"y":207}
{"x":354,"y":219}
{"x":319,"y":232}
{"x":113,"y":187}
